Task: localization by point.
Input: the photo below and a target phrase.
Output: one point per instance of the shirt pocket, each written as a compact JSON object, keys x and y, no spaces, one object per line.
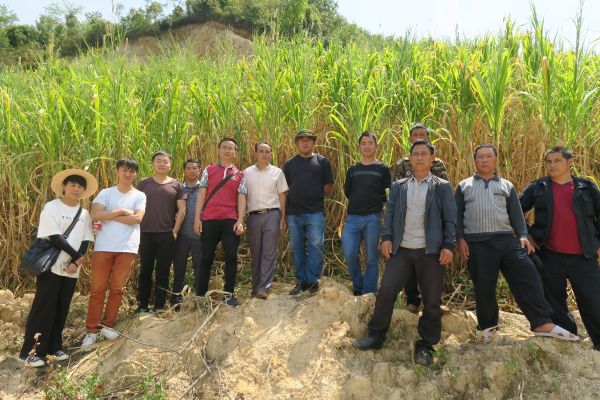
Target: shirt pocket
{"x":500,"y":199}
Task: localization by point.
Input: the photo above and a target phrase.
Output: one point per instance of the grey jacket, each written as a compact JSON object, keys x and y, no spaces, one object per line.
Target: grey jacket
{"x":440,"y":215}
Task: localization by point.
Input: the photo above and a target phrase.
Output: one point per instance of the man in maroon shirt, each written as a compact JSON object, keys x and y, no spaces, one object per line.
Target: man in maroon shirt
{"x":566,"y":232}
{"x":219,"y":216}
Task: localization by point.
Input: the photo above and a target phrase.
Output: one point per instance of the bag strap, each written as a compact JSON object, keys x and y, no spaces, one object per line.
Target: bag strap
{"x":219,"y":186}
{"x":70,"y":228}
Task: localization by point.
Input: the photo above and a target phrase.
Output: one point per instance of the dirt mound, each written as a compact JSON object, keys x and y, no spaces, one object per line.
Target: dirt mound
{"x":301,"y":348}
{"x":206,"y":38}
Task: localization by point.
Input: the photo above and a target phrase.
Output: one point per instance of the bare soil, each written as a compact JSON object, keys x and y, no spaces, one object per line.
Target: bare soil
{"x":301,"y":348}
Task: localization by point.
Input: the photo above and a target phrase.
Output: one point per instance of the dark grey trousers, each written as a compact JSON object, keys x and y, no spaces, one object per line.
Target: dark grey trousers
{"x":263,"y":239}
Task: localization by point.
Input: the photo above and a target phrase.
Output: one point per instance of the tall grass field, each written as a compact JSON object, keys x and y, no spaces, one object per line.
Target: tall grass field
{"x":519,"y":89}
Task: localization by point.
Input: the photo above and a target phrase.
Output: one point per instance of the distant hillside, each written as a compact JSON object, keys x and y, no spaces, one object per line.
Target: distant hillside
{"x":205,"y":38}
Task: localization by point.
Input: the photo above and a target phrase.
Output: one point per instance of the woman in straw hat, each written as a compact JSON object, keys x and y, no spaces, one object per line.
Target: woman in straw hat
{"x":55,"y":287}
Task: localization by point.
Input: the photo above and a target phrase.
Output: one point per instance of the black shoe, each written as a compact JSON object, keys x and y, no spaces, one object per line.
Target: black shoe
{"x":142,"y":309}
{"x":423,"y":356}
{"x":230,"y":300}
{"x":297,"y":289}
{"x":357,"y":292}
{"x":368,"y":342}
{"x":314,"y":287}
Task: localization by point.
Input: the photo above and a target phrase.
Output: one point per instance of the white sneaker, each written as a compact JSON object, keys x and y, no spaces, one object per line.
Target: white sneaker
{"x":32,"y":361}
{"x":88,"y":340}
{"x":61,"y":356}
{"x":109,"y":333}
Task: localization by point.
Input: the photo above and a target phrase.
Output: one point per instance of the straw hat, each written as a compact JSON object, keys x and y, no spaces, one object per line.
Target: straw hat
{"x":91,"y":183}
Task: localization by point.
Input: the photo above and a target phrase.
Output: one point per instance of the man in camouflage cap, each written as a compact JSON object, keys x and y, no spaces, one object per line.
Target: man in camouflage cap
{"x":403,"y":169}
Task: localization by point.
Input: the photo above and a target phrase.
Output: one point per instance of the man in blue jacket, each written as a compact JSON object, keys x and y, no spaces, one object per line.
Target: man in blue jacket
{"x":418,"y":236}
{"x":566,"y":233}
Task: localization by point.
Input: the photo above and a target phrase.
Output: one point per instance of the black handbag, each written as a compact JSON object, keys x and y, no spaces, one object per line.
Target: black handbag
{"x":42,"y":255}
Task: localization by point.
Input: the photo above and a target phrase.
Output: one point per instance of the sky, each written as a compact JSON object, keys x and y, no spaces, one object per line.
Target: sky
{"x":436,"y":18}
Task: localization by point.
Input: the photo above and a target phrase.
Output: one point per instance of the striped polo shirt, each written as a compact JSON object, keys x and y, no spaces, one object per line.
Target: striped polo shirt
{"x":487,"y":208}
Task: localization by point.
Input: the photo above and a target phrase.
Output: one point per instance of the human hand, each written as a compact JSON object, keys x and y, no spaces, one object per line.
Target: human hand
{"x":386,"y":249}
{"x":282,"y":225}
{"x":463,"y":249}
{"x":238,"y":228}
{"x":72,"y":268}
{"x":446,"y":256}
{"x":526,"y":245}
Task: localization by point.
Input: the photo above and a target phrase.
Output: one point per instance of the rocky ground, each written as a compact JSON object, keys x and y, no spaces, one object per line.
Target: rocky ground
{"x":297,"y":348}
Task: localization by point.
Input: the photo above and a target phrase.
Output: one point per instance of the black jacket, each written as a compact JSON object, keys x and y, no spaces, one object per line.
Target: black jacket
{"x":440,"y":215}
{"x":586,"y":205}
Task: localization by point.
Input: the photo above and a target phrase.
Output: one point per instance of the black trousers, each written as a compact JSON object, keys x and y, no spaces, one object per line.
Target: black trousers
{"x":411,"y":290}
{"x":429,"y":274}
{"x":156,"y":255}
{"x":213,"y":232}
{"x":183,"y":246}
{"x":503,"y":253}
{"x":584,"y":275}
{"x":48,"y":314}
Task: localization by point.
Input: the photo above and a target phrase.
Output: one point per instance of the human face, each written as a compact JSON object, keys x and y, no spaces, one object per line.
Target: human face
{"x":72,"y":192}
{"x":421,"y":158}
{"x":264,"y":155}
{"x":367,"y":146}
{"x":227,"y":152}
{"x":418,"y":134}
{"x":485,"y":161}
{"x":126,"y":175}
{"x":161,"y":165}
{"x":305,"y":146}
{"x":191,"y":172}
{"x":557,"y":165}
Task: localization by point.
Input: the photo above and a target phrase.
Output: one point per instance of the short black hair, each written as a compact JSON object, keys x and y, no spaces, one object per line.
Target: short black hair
{"x":76,"y":179}
{"x":191,"y":161}
{"x":419,"y":126}
{"x":485,"y":146}
{"x":161,"y":153}
{"x":424,"y":142}
{"x":368,"y":134}
{"x":227,"y":139}
{"x":566,"y":153}
{"x":262,"y":142}
{"x":128,"y":163}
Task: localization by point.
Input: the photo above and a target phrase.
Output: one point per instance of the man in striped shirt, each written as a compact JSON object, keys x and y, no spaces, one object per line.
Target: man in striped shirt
{"x":489,"y":216}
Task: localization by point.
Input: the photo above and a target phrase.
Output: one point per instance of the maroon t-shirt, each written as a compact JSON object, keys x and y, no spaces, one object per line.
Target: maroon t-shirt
{"x":564,"y":236}
{"x":161,"y":204}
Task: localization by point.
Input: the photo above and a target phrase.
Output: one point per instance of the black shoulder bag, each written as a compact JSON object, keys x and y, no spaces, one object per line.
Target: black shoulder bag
{"x":42,"y":255}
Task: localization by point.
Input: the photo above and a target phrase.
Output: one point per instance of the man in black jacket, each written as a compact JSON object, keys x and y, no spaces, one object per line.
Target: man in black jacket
{"x":566,"y":232}
{"x":418,"y":236}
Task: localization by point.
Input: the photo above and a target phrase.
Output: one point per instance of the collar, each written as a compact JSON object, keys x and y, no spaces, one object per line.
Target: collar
{"x":494,"y":178}
{"x":226,"y":167}
{"x":266,"y":168}
{"x":413,"y":178}
{"x":185,"y":185}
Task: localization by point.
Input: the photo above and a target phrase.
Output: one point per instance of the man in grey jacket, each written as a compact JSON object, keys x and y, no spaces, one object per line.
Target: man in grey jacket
{"x":418,"y":236}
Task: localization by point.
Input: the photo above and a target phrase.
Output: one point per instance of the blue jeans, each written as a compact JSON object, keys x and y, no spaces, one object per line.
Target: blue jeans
{"x":357,"y":229}
{"x":307,"y":233}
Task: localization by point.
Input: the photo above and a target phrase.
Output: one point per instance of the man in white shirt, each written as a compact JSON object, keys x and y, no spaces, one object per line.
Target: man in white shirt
{"x":119,"y":211}
{"x":266,"y":186}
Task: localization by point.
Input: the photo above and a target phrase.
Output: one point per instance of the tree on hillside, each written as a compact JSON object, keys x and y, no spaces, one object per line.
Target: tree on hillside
{"x":21,"y":35}
{"x":7,"y":18}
